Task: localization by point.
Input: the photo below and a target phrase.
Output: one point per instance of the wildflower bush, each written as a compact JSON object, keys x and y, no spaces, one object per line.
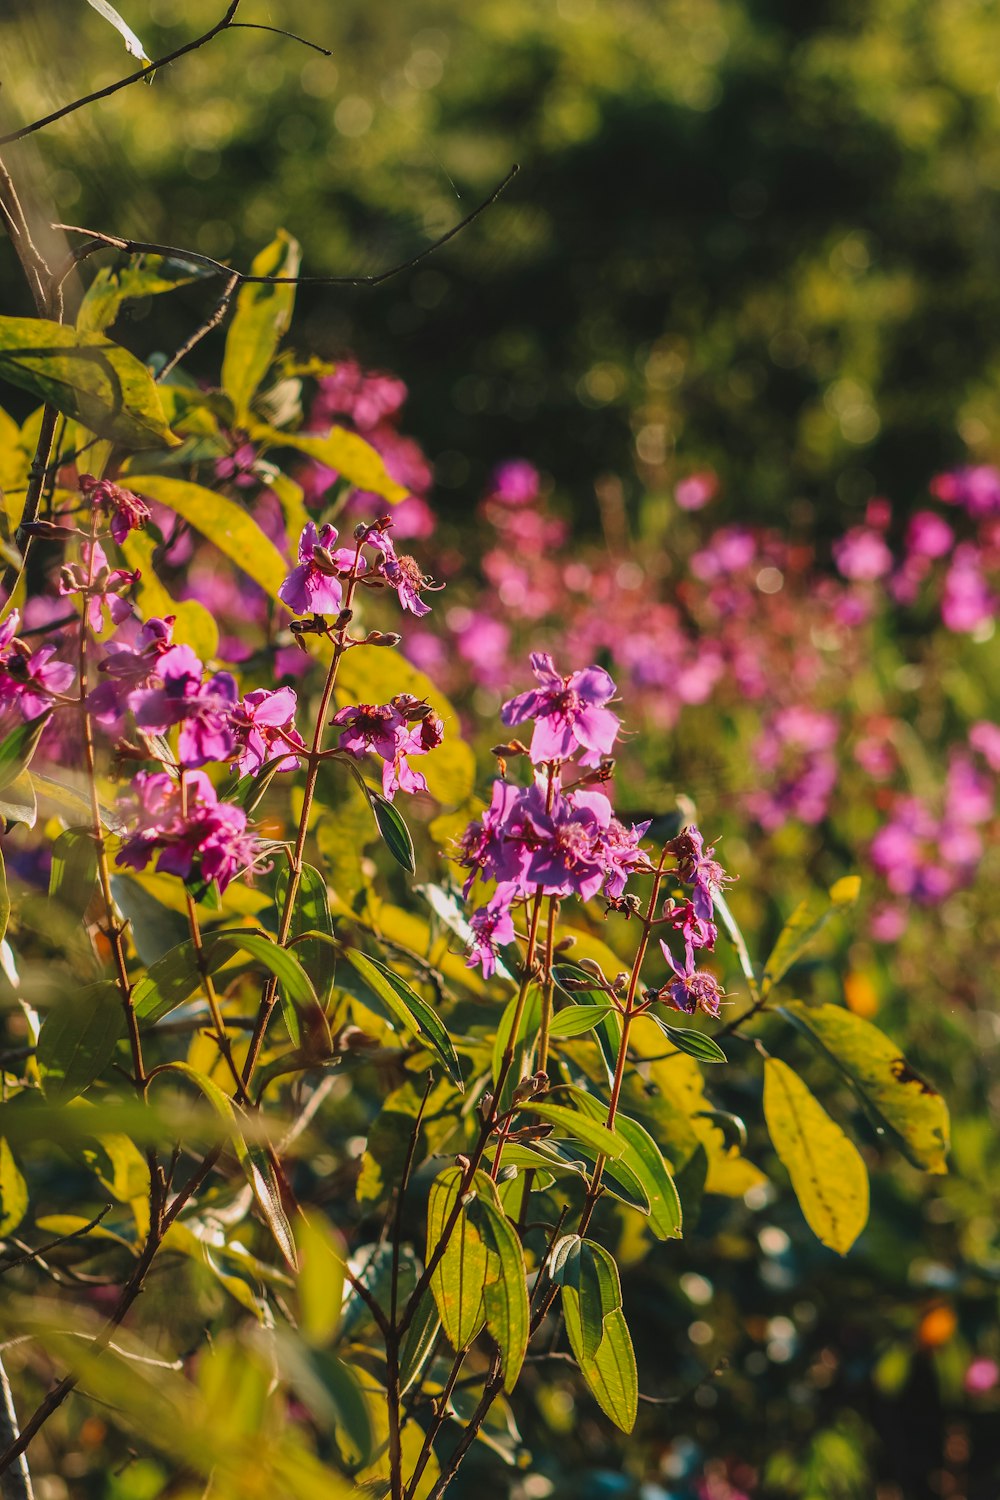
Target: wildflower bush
{"x":355,"y":1044}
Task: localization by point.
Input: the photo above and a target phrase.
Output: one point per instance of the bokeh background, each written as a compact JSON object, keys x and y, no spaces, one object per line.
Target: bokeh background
{"x":756,"y":240}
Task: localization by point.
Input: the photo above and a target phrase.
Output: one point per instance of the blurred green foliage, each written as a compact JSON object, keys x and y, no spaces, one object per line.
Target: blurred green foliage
{"x":756,"y":234}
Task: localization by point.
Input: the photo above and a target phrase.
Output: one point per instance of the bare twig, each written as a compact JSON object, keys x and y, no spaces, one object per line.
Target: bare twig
{"x":62,"y":1239}
{"x":16,"y":1483}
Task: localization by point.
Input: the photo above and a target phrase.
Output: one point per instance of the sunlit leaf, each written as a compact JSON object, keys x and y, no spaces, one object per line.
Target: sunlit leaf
{"x":263,"y":314}
{"x":806,"y":923}
{"x":78,"y":1039}
{"x":225,"y":524}
{"x":893,"y":1093}
{"x":505,"y":1293}
{"x":460,"y":1277}
{"x":128,"y":36}
{"x":147,"y":276}
{"x":406,"y":1005}
{"x":194,"y":625}
{"x":828,"y":1175}
{"x":73,"y":873}
{"x":18,"y":747}
{"x":394,"y":831}
{"x":321,"y":1277}
{"x":13,"y":1191}
{"x":87,"y":377}
{"x":580,"y":1127}
{"x":346,"y":452}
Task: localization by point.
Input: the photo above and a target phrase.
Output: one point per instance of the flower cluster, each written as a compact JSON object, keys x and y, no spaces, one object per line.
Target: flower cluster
{"x":29,"y":680}
{"x":396,"y":732}
{"x":181,"y":821}
{"x":550,"y":838}
{"x":691,"y":989}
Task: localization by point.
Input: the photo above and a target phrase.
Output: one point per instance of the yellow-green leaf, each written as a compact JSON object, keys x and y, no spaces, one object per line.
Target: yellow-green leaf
{"x":224,"y":523}
{"x":347,"y":452}
{"x":263,"y":314}
{"x":829,"y":1178}
{"x":13,"y":1190}
{"x":88,"y":378}
{"x":806,"y":922}
{"x":505,"y":1295}
{"x":321,"y":1278}
{"x":893,"y":1092}
{"x":459,"y":1280}
{"x":611,"y":1373}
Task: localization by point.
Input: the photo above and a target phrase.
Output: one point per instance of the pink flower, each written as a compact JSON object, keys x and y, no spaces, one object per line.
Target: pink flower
{"x":697,"y":867}
{"x":395,"y":732}
{"x":128,"y":511}
{"x":861,"y":554}
{"x":128,"y":668}
{"x":515,"y":483}
{"x":202,"y":708}
{"x":29,"y":679}
{"x":263,"y":724}
{"x":367,"y":397}
{"x":985,"y":737}
{"x":694,"y":492}
{"x":101,"y":586}
{"x":405,"y":575}
{"x":194,"y":836}
{"x":976,"y":489}
{"x":314,"y":586}
{"x":569,"y":713}
{"x":981,"y":1376}
{"x":237,"y":467}
{"x":492,"y":927}
{"x":968,"y":601}
{"x":928,"y":535}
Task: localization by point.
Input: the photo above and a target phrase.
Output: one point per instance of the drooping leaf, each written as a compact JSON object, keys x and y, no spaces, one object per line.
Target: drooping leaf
{"x":460,"y":1277}
{"x":407,"y":1007}
{"x":828,"y":1175}
{"x":263,"y":314}
{"x":78,"y":1039}
{"x":646,"y":1160}
{"x":171,"y":981}
{"x":591,"y":1291}
{"x":591,"y":1299}
{"x":806,"y":922}
{"x":17,"y":802}
{"x":346,"y":452}
{"x":87,"y":377}
{"x":18,"y":747}
{"x":13,"y":1191}
{"x":282,"y":962}
{"x":892,"y":1092}
{"x":395,"y":834}
{"x":418,"y":1341}
{"x":225,"y":524}
{"x":128,"y":36}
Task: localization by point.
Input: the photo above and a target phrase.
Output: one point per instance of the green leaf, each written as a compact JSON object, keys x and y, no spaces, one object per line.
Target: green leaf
{"x":394,"y":832}
{"x":828,"y":1175}
{"x":346,"y":452}
{"x":611,"y":1375}
{"x":806,"y":922}
{"x":321,"y":1278}
{"x":224,"y":523}
{"x":155,"y":928}
{"x":459,"y":1279}
{"x":4,"y":900}
{"x":73,"y":874}
{"x":897,"y":1098}
{"x":171,"y":981}
{"x":13,"y":1191}
{"x":646,"y":1160}
{"x":407,"y":1007}
{"x":527,"y":1030}
{"x":128,"y":36}
{"x":576,"y":1020}
{"x":260,"y":322}
{"x":281,"y":962}
{"x":87,"y":377}
{"x":505,"y":1295}
{"x":581,"y":1128}
{"x":18,"y":748}
{"x":17,"y":803}
{"x":307,"y":1025}
{"x":418,"y":1341}
{"x":695,"y":1043}
{"x":591,"y":1291}
{"x":147,"y":276}
{"x":78,"y":1038}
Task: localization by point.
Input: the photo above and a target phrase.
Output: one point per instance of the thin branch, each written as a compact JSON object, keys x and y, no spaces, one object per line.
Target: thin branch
{"x":62,"y":1239}
{"x":97,"y":239}
{"x":16,"y":1483}
{"x":124,"y":83}
{"x":213,"y":320}
{"x":292,"y":36}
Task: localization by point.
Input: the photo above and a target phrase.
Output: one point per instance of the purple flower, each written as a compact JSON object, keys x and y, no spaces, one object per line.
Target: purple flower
{"x":405,"y":575}
{"x":862,"y":554}
{"x":985,"y":737}
{"x":237,"y":467}
{"x":976,"y":489}
{"x":314,"y":586}
{"x":101,"y":586}
{"x":29,"y":679}
{"x":202,"y":709}
{"x":569,"y":713}
{"x":515,"y":483}
{"x":394,"y":731}
{"x":690,"y":989}
{"x":968,"y":602}
{"x":128,"y":668}
{"x":493,"y":927}
{"x":263,"y":723}
{"x":698,"y":868}
{"x":193,"y":835}
{"x":128,"y":511}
